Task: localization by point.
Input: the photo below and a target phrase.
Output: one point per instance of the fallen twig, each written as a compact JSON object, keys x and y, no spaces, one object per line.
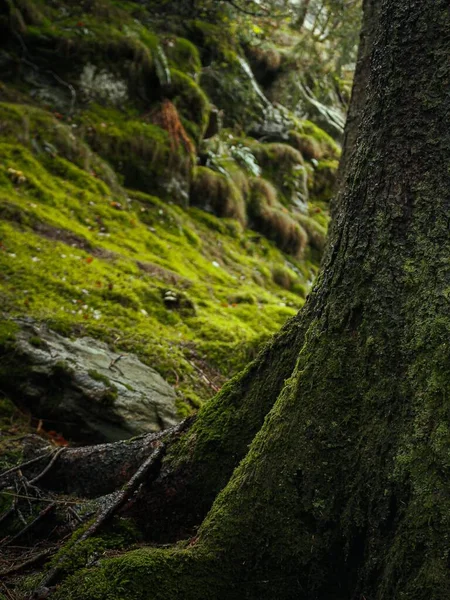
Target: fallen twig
{"x":114,"y":362}
{"x":205,"y":378}
{"x":28,"y":563}
{"x":30,"y":525}
{"x":25,"y":464}
{"x":7,"y":591}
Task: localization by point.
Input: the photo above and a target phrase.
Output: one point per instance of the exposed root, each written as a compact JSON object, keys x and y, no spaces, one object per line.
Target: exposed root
{"x":47,"y":468}
{"x":147,"y":471}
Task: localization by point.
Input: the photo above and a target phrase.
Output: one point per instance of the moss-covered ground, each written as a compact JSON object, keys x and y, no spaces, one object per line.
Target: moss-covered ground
{"x":72,"y":256}
{"x":101,"y":231}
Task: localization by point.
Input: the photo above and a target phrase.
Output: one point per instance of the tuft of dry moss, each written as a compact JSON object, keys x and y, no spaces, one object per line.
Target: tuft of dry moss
{"x":217,"y":194}
{"x":270,"y":218}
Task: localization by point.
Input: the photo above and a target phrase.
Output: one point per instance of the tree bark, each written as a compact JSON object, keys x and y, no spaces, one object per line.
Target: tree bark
{"x":343,"y":493}
{"x":303,"y":11}
{"x":361,"y":82}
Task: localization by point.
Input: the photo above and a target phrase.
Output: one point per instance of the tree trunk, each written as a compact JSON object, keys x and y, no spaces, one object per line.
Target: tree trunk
{"x":303,"y":11}
{"x":343,"y":493}
{"x":361,"y":82}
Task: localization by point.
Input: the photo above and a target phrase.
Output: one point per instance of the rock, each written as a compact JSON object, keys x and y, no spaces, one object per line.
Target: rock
{"x":215,"y":123}
{"x":180,"y":302}
{"x":83,"y":389}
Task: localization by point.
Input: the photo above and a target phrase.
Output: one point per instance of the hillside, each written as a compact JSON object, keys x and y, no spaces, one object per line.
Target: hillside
{"x":160,"y":190}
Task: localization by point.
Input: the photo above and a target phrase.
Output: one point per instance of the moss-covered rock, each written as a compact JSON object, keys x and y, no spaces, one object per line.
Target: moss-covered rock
{"x":323,"y":182}
{"x":191,"y":102}
{"x":183,"y":56}
{"x":284,"y":167}
{"x":267,"y":215}
{"x":155,"y":158}
{"x":217,"y":193}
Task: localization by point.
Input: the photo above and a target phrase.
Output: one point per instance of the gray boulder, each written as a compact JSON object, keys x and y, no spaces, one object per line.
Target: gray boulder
{"x":83,"y":389}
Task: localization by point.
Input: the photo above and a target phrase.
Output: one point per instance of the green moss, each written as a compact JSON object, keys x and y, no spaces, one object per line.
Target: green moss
{"x":192,"y":104}
{"x":75,"y":555}
{"x":283,"y":166}
{"x":328,"y":147}
{"x":136,"y":572}
{"x":183,"y":56}
{"x":217,"y":193}
{"x":36,"y":341}
{"x":267,"y":215}
{"x":8,"y":331}
{"x":323,"y":183}
{"x":315,"y":231}
{"x":309,"y":146}
{"x":289,"y":280}
{"x":96,"y":376}
{"x":145,"y":155}
{"x":216,"y":39}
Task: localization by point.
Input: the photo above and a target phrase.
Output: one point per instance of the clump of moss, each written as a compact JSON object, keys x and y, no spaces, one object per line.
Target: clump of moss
{"x":265,"y":61}
{"x":316,"y":232}
{"x":48,"y":138}
{"x":309,"y":147}
{"x":23,"y":13}
{"x":96,"y":376}
{"x":283,"y":277}
{"x":191,"y":102}
{"x":283,"y":165}
{"x":37,"y":342}
{"x":8,"y":332}
{"x":216,"y":193}
{"x":328,"y":147}
{"x":146,"y":155}
{"x":243,"y":298}
{"x":183,"y":56}
{"x":323,"y":182}
{"x":288,"y":280}
{"x":269,"y":217}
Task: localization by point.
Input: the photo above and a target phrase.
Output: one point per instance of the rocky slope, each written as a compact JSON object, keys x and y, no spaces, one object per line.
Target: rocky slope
{"x":164,"y":190}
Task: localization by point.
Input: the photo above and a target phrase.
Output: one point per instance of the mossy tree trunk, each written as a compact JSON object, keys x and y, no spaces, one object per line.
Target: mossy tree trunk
{"x":344,"y":491}
{"x":361,"y":81}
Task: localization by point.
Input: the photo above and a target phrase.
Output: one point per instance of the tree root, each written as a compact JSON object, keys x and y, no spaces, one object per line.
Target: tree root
{"x":149,"y":469}
{"x":47,"y":468}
